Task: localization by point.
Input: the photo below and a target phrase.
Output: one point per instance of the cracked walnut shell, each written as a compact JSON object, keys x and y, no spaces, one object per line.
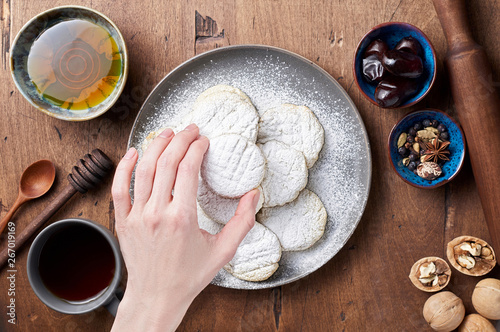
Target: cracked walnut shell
{"x":430,"y":274}
{"x":471,"y":255}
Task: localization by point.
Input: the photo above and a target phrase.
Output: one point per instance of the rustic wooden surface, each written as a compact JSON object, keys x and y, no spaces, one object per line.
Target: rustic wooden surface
{"x":364,"y":287}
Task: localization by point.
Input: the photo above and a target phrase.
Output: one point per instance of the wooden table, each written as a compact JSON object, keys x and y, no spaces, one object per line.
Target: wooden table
{"x":365,"y":287}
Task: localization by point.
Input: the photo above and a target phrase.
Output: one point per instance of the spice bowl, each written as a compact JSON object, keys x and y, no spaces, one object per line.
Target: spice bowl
{"x":70,"y":62}
{"x":392,"y":33}
{"x":456,"y":147}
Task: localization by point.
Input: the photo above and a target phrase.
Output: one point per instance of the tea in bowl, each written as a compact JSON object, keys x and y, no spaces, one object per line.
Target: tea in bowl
{"x":70,"y":62}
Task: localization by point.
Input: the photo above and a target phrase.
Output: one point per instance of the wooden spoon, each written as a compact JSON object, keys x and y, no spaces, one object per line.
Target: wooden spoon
{"x":35,"y":182}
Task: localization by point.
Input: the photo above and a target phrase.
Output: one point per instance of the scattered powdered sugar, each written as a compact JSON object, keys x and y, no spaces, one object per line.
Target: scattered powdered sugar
{"x":270,"y":77}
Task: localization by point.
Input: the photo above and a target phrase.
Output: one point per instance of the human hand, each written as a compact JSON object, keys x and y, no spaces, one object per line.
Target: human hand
{"x":169,"y":259}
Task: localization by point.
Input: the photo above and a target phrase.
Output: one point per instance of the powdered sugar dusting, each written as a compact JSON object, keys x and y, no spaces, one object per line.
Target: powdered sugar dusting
{"x":270,"y":77}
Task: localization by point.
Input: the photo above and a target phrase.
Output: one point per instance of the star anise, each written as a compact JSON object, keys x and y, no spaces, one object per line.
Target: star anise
{"x":436,"y":150}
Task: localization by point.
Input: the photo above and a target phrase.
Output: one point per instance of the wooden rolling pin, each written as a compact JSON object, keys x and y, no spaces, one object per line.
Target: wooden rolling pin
{"x":88,"y":172}
{"x":477,"y":105}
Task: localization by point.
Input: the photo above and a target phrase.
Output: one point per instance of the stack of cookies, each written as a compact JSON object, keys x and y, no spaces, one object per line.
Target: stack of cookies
{"x":273,"y":153}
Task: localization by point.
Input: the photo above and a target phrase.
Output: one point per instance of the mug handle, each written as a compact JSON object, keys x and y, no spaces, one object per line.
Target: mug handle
{"x":113,"y":304}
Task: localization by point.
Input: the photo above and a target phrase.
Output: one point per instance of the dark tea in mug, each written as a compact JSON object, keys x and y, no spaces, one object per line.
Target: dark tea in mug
{"x":76,"y":263}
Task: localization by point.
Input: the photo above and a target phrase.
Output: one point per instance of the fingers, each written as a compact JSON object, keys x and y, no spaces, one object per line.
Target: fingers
{"x":145,"y":172}
{"x":121,"y":184}
{"x":168,"y":162}
{"x":237,"y":228}
{"x":186,"y":182}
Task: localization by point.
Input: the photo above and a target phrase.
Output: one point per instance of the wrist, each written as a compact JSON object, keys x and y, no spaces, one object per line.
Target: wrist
{"x":138,"y":313}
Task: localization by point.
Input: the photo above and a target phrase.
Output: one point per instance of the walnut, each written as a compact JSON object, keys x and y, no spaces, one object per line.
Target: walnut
{"x":473,"y":248}
{"x":486,"y":298}
{"x":475,"y":322}
{"x":466,"y":261}
{"x":471,"y":255}
{"x":486,"y":253}
{"x":444,"y":311}
{"x":430,"y":274}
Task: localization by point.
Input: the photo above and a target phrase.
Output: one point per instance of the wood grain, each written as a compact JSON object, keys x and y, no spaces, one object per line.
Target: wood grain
{"x":365,"y":286}
{"x":475,"y":100}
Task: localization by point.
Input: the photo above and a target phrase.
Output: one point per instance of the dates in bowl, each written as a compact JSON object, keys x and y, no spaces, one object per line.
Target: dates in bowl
{"x":395,"y":65}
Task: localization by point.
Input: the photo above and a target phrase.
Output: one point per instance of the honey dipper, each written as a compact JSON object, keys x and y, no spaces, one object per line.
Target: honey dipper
{"x":87,"y":174}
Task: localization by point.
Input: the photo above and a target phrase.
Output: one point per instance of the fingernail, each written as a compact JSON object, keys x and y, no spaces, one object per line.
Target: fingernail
{"x":201,"y":138}
{"x":192,"y":126}
{"x":256,"y":197}
{"x":130,"y":153}
{"x":167,"y":133}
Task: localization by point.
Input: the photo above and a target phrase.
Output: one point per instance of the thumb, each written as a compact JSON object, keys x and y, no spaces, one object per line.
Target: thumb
{"x":237,"y":228}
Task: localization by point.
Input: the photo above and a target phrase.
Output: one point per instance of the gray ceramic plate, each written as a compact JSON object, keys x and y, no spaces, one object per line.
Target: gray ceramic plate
{"x":271,"y":76}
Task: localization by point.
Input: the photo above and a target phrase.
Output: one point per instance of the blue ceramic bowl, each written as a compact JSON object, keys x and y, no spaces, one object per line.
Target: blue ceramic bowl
{"x":392,"y":33}
{"x":457,"y":148}
{"x":29,"y":34}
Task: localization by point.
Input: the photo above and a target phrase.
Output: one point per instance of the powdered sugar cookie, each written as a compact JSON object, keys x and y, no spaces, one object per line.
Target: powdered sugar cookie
{"x":218,"y":208}
{"x":222,"y":88}
{"x":296,"y":126}
{"x":224,"y":112}
{"x":298,"y":224}
{"x":286,"y":173}
{"x":232,"y":166}
{"x":257,"y":257}
{"x":206,"y":223}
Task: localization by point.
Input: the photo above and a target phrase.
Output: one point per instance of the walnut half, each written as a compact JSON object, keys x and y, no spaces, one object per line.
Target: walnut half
{"x":430,"y":274}
{"x":471,"y":255}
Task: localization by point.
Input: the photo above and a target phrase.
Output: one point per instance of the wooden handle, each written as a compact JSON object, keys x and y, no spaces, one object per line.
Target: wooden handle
{"x":477,"y":105}
{"x":90,"y":172}
{"x":38,"y":222}
{"x":19,"y":201}
{"x":453,"y":18}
